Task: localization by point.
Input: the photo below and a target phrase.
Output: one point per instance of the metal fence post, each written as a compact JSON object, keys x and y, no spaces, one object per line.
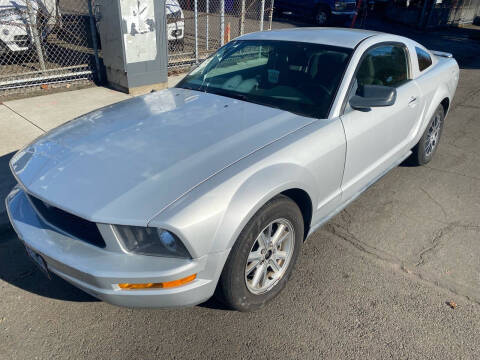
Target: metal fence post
{"x":222,"y":22}
{"x":52,"y":50}
{"x":242,"y":17}
{"x":93,"y":30}
{"x":270,"y":16}
{"x":207,"y":11}
{"x":262,"y":14}
{"x":432,"y":9}
{"x":196,"y":31}
{"x":32,"y":25}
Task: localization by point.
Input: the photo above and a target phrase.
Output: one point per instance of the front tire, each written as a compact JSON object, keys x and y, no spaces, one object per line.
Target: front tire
{"x":426,"y":148}
{"x":263,"y":257}
{"x":322,"y":17}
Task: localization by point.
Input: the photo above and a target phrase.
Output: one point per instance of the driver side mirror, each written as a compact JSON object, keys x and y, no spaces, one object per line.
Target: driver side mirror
{"x":369,"y":96}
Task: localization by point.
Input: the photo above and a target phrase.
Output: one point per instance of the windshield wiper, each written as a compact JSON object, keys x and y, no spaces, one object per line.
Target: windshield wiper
{"x":185,"y":87}
{"x":232,"y":95}
{"x":238,"y":97}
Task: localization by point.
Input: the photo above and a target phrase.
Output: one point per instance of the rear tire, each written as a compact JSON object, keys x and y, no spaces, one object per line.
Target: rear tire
{"x":263,"y":257}
{"x":426,"y":148}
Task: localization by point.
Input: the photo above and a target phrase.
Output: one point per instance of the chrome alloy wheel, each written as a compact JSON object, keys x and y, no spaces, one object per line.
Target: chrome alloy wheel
{"x":433,"y":135}
{"x":269,"y":256}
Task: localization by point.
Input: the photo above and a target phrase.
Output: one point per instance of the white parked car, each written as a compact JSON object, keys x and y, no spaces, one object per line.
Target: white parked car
{"x":16,"y":21}
{"x":214,"y":185}
{"x":175,"y":24}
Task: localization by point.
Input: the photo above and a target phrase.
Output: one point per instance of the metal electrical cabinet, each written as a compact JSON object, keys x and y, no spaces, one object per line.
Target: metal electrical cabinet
{"x":134,"y":43}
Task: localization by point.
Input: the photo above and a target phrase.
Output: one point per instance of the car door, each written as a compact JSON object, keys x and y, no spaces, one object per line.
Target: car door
{"x":377,"y":139}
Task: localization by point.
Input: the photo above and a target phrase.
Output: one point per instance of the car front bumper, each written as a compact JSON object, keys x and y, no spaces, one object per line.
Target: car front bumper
{"x":344,"y":13}
{"x":175,"y":31}
{"x":98,"y":271}
{"x":10,"y":36}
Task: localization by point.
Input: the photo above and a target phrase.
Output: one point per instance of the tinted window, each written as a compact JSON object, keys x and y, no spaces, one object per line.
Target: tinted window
{"x":298,"y":77}
{"x":424,"y":59}
{"x":384,"y":65}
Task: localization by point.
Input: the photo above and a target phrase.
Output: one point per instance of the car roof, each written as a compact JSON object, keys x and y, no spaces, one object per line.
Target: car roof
{"x":342,"y":37}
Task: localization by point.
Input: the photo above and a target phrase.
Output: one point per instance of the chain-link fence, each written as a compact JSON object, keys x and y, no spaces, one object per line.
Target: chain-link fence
{"x":461,"y":12}
{"x":433,"y":13}
{"x":45,"y":42}
{"x":196,"y":28}
{"x":48,"y":42}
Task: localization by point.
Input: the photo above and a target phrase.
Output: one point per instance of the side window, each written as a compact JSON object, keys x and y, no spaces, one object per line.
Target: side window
{"x":385,"y":65}
{"x":424,"y":59}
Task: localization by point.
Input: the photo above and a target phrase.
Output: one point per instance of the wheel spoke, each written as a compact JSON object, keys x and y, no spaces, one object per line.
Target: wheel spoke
{"x":251,"y":267}
{"x":264,"y":275}
{"x":281,"y":255}
{"x":279,"y":234}
{"x":282,"y":239}
{"x":428,"y":148}
{"x":268,"y":239}
{"x":262,"y":241}
{"x":273,"y":264}
{"x":259,"y":274}
{"x":256,"y":255}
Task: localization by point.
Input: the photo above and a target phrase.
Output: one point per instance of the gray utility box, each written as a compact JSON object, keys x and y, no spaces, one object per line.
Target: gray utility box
{"x":134,"y":43}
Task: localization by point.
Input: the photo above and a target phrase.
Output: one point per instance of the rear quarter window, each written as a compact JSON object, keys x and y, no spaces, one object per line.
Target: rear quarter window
{"x":424,"y":59}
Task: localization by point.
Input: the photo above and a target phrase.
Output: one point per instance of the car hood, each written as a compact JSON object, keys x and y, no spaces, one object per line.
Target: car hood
{"x":17,"y":4}
{"x":172,"y":6}
{"x":124,"y":163}
{"x":11,"y":10}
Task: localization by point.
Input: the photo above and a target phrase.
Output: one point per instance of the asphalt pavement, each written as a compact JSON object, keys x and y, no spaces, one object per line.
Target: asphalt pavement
{"x":395,"y":275}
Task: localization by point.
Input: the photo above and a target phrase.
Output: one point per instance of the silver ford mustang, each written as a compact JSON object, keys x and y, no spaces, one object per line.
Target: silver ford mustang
{"x":213,"y":186}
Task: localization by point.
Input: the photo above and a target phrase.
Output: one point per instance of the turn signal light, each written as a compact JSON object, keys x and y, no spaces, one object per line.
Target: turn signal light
{"x":162,"y":285}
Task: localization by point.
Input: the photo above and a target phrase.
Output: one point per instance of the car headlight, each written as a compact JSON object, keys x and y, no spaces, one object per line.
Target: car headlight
{"x":151,"y":241}
{"x":340,"y":5}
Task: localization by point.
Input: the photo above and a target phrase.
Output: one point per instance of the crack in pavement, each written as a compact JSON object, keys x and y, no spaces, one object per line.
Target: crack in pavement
{"x":344,"y":233}
{"x":407,"y":216}
{"x":439,"y":234}
{"x":435,"y":201}
{"x":453,"y":172}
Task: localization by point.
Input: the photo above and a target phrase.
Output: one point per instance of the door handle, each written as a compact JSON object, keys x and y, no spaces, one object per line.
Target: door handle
{"x":412,"y":102}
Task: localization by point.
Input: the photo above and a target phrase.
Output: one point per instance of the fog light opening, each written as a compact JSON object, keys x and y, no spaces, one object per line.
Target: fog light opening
{"x":162,"y":285}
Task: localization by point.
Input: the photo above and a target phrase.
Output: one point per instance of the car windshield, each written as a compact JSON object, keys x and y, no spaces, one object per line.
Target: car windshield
{"x":298,"y":77}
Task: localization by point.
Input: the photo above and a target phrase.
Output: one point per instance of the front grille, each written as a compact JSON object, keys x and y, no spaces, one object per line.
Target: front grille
{"x":22,"y":40}
{"x":76,"y":226}
{"x":174,"y":17}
